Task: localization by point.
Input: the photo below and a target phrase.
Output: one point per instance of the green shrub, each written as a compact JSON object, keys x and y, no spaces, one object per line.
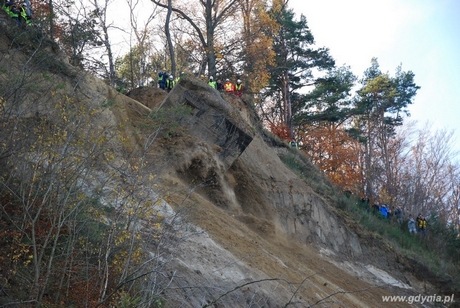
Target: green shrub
{"x":438,"y":250}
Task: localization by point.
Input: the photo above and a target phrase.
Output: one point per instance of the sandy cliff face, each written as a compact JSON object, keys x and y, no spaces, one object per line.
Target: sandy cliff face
{"x":262,"y":187}
{"x":296,"y":210}
{"x":248,"y":231}
{"x":263,"y":237}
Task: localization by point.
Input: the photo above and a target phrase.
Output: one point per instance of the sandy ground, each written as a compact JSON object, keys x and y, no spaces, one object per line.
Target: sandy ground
{"x":261,"y":251}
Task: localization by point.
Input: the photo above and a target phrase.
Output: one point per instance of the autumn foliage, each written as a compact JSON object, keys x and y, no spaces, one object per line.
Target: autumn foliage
{"x":280,"y":130}
{"x":335,"y":153}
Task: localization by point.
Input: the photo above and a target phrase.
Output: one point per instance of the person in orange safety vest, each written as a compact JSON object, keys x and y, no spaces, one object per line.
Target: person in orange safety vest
{"x":229,"y":87}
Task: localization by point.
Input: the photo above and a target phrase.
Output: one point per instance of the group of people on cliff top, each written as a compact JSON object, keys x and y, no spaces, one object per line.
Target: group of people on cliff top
{"x":167,"y":82}
{"x":21,"y":12}
{"x":228,"y":87}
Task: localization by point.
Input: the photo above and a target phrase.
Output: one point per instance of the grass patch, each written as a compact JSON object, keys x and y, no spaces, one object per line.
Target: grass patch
{"x":307,"y":171}
{"x":437,"y":250}
{"x":425,"y":249}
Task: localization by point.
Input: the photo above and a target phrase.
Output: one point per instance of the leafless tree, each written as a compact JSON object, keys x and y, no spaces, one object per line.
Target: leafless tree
{"x":205,"y":23}
{"x":426,"y":170}
{"x":142,"y":29}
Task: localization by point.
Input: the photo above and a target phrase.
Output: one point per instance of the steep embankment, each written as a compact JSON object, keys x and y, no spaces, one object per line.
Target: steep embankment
{"x":262,"y":229}
{"x":248,"y":231}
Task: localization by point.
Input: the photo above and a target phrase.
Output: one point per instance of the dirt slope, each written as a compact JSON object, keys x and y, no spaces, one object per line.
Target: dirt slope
{"x":251,"y":232}
{"x":258,"y":221}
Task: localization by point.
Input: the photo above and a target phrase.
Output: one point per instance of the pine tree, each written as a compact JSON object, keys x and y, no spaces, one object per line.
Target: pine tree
{"x":383,"y":100}
{"x":296,"y":59}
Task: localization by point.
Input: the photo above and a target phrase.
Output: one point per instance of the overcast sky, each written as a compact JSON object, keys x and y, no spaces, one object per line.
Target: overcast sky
{"x":422,"y":35}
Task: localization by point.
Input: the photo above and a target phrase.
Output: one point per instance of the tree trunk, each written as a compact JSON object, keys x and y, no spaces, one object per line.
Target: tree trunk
{"x":210,"y":53}
{"x":168,"y":38}
{"x":51,"y":19}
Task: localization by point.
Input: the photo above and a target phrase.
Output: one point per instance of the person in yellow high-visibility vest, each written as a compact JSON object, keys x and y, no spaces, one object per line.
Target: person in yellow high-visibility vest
{"x":170,"y":83}
{"x":178,"y":78}
{"x":12,"y":9}
{"x":16,"y":11}
{"x":212,"y":83}
{"x":24,"y":15}
{"x":239,"y":88}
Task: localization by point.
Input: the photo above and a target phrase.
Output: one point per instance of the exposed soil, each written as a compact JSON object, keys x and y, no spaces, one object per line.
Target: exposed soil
{"x":239,"y":219}
{"x":260,"y":222}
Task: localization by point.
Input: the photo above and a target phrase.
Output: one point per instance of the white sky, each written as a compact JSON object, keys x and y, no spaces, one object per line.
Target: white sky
{"x":422,"y":35}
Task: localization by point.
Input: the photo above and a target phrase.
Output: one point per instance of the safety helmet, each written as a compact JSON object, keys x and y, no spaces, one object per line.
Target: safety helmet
{"x":211,"y":78}
{"x":238,"y":81}
{"x":171,"y":76}
{"x":227,"y":79}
